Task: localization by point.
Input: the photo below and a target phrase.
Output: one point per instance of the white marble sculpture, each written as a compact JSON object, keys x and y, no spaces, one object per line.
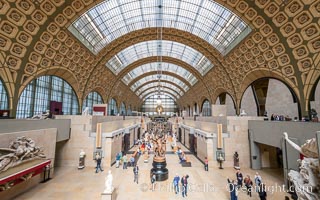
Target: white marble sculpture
{"x":44,"y":115}
{"x":85,"y":112}
{"x":307,"y":180}
{"x":108,"y":183}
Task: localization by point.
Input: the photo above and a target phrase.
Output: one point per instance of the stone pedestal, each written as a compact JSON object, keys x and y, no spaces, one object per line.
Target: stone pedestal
{"x":160,"y":170}
{"x":108,"y":195}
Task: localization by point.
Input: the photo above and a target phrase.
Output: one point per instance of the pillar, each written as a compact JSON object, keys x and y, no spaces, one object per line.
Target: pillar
{"x":108,"y":151}
{"x":255,"y":157}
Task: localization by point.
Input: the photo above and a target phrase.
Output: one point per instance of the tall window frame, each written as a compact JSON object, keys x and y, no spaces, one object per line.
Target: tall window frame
{"x":35,"y":98}
{"x":206,"y":108}
{"x":4,"y":99}
{"x":123,"y":109}
{"x":92,"y":98}
{"x":112,"y":107}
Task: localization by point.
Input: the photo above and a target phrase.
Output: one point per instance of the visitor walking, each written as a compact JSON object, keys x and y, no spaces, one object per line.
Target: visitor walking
{"x":262,"y":192}
{"x":239,"y":178}
{"x":206,"y":164}
{"x":118,"y":157}
{"x":136,"y":173}
{"x":98,"y":160}
{"x":153,"y":181}
{"x":233,"y":189}
{"x":124,"y":160}
{"x":257,"y":180}
{"x":184,"y":183}
{"x":176,"y":180}
{"x":248,"y":183}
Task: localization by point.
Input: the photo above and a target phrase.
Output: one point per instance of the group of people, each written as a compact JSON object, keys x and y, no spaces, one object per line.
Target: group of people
{"x":123,"y":159}
{"x":247,"y":182}
{"x":181,"y":184}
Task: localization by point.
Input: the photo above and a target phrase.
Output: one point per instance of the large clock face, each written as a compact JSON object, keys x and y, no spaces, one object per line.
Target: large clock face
{"x":159,"y":109}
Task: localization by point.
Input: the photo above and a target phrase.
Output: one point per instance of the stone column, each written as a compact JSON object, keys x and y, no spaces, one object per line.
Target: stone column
{"x":211,"y":146}
{"x":254,"y":153}
{"x":108,"y":151}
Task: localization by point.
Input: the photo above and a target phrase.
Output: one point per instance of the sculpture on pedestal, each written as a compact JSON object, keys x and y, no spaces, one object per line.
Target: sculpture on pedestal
{"x":20,"y":150}
{"x":159,"y":160}
{"x":236,"y":160}
{"x":108,"y":183}
{"x":307,"y":180}
{"x":82,"y":156}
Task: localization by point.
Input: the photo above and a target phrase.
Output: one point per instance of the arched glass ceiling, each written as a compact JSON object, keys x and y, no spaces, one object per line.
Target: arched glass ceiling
{"x":162,"y":96}
{"x":180,"y":71}
{"x":155,"y":84}
{"x":207,"y":19}
{"x":155,"y":90}
{"x":163,"y":77}
{"x":151,"y":48}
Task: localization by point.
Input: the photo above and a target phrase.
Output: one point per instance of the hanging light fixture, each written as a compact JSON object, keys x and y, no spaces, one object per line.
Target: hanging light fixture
{"x":159,"y":58}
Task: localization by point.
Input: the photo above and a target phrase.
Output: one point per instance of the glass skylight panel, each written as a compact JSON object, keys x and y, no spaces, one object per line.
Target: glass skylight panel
{"x":164,"y":96}
{"x":155,"y":90}
{"x":162,"y":85}
{"x":163,"y":77}
{"x":149,"y":48}
{"x":112,"y":19}
{"x":180,"y":71}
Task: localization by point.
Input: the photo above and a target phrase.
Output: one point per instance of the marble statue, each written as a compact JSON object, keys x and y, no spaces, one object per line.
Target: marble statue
{"x":45,"y":115}
{"x":308,"y":149}
{"x":85,"y":112}
{"x":236,"y":160}
{"x":108,"y":183}
{"x":82,"y":156}
{"x":174,"y":139}
{"x":20,"y":150}
{"x":307,"y":180}
{"x":243,"y":113}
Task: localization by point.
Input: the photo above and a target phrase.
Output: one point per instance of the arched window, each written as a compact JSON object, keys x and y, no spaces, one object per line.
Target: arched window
{"x":92,"y":98}
{"x":112,"y":107}
{"x":129,"y":111}
{"x":206,"y":108}
{"x":40,"y":92}
{"x":3,"y":97}
{"x":123,"y":109}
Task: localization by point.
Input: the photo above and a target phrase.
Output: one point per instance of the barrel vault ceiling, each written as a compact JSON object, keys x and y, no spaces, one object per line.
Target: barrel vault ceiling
{"x":284,"y":43}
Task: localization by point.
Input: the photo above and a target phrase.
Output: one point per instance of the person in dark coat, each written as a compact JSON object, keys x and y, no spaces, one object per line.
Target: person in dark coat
{"x":239,"y":178}
{"x":262,"y":192}
{"x":184,"y":183}
{"x":232,"y":189}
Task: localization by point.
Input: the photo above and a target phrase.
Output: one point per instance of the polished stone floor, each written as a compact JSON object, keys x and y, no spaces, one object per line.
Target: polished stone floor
{"x":70,"y":183}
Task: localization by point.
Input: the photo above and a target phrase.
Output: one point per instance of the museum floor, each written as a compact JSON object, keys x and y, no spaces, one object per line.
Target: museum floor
{"x":71,"y":183}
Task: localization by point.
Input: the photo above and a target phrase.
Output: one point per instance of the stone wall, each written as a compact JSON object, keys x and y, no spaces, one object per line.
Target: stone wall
{"x":248,"y":103}
{"x":268,"y":155}
{"x":202,"y":148}
{"x":279,"y":100}
{"x":80,"y":138}
{"x":238,"y":140}
{"x":231,"y":111}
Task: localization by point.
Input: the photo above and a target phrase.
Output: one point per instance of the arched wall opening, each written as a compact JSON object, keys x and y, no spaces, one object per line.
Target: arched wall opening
{"x":226,"y":99}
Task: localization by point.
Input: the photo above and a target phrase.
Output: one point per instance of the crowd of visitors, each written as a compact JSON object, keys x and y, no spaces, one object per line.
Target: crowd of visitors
{"x":247,"y":183}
